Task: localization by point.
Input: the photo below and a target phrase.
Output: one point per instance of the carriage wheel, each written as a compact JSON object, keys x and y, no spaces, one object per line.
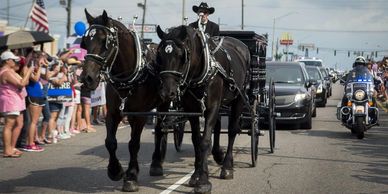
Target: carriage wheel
{"x":179,"y":130}
{"x":254,"y":133}
{"x":271,"y":114}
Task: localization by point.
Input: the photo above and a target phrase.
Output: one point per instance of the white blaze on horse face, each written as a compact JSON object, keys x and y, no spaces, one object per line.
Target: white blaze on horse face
{"x":168,"y":49}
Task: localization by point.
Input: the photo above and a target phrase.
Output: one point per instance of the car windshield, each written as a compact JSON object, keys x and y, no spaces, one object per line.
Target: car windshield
{"x":324,"y":73}
{"x":284,"y":74}
{"x":313,"y":63}
{"x":314,"y":73}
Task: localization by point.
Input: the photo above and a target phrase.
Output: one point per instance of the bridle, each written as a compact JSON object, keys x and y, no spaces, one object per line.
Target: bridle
{"x":111,"y":41}
{"x":182,"y":76}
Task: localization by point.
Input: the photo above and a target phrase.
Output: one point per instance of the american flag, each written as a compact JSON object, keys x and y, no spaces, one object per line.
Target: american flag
{"x":39,"y":17}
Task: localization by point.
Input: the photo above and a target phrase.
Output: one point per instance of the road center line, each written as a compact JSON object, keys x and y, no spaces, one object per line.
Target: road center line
{"x":178,"y":183}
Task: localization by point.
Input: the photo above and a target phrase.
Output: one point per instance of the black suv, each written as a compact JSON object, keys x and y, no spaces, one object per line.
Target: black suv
{"x":320,"y":84}
{"x":295,"y":93}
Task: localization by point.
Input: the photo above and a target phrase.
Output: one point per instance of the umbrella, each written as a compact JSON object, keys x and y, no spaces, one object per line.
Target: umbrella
{"x":21,"y":39}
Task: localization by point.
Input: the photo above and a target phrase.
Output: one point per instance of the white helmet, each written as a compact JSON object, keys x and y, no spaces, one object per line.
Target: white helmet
{"x":360,"y":60}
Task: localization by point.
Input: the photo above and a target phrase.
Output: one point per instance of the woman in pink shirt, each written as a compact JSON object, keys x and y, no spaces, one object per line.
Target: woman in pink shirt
{"x":12,"y":101}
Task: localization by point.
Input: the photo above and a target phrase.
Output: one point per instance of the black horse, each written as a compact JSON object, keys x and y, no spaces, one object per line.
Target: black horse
{"x":204,"y":87}
{"x":133,"y":86}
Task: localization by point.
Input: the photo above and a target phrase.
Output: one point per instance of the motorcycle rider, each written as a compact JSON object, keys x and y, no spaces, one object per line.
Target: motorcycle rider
{"x":360,"y":68}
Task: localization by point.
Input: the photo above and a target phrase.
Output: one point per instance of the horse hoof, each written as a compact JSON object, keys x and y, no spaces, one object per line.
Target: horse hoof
{"x":130,"y":186}
{"x":156,"y":171}
{"x":115,"y":174}
{"x":203,"y":189}
{"x":218,"y":156}
{"x":193,"y":180}
{"x":226,"y":174}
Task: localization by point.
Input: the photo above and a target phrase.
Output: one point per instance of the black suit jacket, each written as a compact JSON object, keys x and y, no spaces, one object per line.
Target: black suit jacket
{"x":211,"y":28}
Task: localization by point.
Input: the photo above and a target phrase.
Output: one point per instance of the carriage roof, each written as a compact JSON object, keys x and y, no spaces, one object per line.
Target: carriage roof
{"x":250,"y":38}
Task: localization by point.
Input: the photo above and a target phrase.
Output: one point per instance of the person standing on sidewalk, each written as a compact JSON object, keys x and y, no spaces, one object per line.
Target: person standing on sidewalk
{"x":12,"y":101}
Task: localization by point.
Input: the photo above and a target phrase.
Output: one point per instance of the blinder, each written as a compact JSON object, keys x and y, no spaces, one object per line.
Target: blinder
{"x":181,"y":76}
{"x":111,"y":45}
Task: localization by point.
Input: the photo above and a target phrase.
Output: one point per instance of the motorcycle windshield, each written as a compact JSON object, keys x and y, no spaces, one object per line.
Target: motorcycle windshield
{"x":360,"y":76}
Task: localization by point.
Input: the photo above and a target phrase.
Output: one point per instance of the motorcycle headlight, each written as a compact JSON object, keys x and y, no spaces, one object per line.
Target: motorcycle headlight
{"x":359,"y":94}
{"x":319,"y":89}
{"x":299,"y":97}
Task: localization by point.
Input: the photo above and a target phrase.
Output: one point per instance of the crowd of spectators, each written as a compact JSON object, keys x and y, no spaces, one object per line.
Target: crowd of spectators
{"x":31,"y":116}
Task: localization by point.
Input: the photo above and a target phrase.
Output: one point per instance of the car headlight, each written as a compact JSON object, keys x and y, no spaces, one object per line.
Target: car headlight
{"x":359,"y":94}
{"x":320,"y":88}
{"x":299,"y":97}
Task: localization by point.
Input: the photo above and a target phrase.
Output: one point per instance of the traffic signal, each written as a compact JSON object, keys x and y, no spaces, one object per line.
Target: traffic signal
{"x":348,"y":53}
{"x":317,"y":50}
{"x":335,"y":52}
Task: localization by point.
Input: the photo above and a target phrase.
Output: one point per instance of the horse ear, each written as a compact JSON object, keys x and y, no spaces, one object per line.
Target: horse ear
{"x":105,"y":17}
{"x":89,"y":18}
{"x":160,"y":32}
{"x":183,"y":32}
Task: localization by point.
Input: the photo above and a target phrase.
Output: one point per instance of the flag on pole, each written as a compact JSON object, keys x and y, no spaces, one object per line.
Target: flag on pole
{"x":39,"y":17}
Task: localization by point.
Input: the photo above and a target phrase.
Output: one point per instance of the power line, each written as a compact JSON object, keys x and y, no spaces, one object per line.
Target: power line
{"x":321,"y":30}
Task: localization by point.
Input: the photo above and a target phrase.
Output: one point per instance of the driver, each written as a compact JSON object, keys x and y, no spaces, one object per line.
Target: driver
{"x":211,"y":28}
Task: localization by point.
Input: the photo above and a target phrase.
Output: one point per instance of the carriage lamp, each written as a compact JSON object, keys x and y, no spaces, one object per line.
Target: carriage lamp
{"x":370,"y":103}
{"x":349,"y":103}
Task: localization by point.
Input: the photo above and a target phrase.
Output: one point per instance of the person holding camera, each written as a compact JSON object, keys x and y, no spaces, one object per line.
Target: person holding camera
{"x":35,"y":98}
{"x":12,"y":101}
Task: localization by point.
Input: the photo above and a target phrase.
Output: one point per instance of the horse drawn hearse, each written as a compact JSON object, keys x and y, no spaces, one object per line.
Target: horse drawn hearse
{"x":200,"y":76}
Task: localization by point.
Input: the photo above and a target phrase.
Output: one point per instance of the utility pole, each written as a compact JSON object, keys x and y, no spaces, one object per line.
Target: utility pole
{"x":242,"y":14}
{"x":8,"y":12}
{"x":183,"y":11}
{"x":143,"y":6}
{"x":68,"y":26}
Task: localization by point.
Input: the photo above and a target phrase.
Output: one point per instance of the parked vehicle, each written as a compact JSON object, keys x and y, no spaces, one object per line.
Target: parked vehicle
{"x":295,"y":93}
{"x":322,"y":92}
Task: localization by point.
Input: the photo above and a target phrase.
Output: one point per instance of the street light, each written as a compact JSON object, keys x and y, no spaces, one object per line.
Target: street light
{"x":273,"y":31}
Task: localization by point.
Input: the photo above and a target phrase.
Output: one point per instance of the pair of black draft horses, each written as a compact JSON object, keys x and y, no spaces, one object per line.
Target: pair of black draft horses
{"x":177,"y":68}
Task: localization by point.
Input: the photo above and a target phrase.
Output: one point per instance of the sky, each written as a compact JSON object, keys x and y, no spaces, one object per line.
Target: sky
{"x":339,"y":26}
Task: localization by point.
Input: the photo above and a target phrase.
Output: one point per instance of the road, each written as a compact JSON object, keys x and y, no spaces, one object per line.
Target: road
{"x":325,"y":159}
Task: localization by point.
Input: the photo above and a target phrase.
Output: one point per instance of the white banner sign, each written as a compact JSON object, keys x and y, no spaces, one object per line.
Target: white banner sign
{"x":98,"y":95}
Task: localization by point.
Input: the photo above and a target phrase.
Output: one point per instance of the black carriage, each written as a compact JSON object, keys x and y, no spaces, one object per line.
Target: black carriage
{"x":257,"y":116}
{"x":261,"y":93}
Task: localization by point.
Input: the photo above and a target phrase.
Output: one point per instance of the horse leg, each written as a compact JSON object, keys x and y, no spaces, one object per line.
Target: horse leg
{"x":130,"y":179}
{"x":203,"y":184}
{"x":233,"y":129}
{"x":115,"y":171}
{"x":156,"y":168}
{"x":218,"y":154}
{"x":196,"y":139}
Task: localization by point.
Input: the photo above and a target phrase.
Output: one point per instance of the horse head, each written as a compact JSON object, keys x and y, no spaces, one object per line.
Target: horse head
{"x":101,"y":43}
{"x":174,"y":58}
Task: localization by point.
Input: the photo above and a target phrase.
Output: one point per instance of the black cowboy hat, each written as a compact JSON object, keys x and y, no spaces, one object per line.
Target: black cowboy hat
{"x":203,"y":7}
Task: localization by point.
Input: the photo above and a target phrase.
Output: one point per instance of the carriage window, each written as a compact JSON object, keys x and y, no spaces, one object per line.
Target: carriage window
{"x":286,"y":74}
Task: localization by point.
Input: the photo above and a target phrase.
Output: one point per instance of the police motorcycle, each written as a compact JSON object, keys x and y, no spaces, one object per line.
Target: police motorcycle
{"x":358,"y":111}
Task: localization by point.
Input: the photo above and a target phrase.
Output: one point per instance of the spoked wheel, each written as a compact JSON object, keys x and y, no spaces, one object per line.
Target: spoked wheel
{"x":271,"y":115}
{"x":179,"y":130}
{"x":254,"y":133}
